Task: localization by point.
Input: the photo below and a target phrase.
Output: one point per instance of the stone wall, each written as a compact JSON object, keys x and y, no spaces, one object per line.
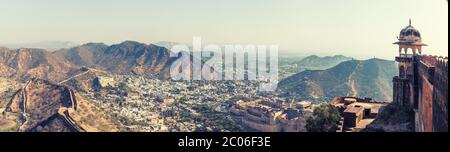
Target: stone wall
{"x":402,"y":92}
{"x":426,"y":106}
{"x":432,"y":112}
{"x":426,"y":90}
{"x":440,"y":96}
{"x":261,"y":127}
{"x":425,"y":75}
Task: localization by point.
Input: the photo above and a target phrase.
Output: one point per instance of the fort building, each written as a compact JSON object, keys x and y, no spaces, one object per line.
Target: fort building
{"x":353,"y":115}
{"x":265,"y":115}
{"x":422,"y":83}
{"x":356,"y":112}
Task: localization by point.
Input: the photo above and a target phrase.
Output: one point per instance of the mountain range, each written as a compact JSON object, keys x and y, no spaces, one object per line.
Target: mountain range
{"x":128,"y":57}
{"x":40,"y":87}
{"x":360,"y":78}
{"x":124,"y":58}
{"x":370,"y":78}
{"x":23,"y":64}
{"x":46,"y":45}
{"x":314,"y":62}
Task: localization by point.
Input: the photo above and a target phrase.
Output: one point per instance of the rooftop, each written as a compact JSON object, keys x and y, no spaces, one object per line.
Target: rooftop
{"x":410,"y":36}
{"x":355,"y":109}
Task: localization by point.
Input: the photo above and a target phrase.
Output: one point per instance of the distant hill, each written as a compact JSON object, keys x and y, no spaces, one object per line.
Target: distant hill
{"x":290,"y":65}
{"x":23,"y":64}
{"x":368,"y":78}
{"x":46,"y":45}
{"x":129,"y":57}
{"x":84,"y":55}
{"x":315,"y":62}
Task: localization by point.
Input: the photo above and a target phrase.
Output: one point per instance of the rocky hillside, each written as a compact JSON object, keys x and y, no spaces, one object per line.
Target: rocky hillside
{"x":23,"y":64}
{"x":7,"y":89}
{"x":368,"y":78}
{"x":128,"y":57}
{"x":8,"y":85}
{"x":84,"y":55}
{"x":41,"y":106}
{"x":393,"y":119}
{"x":124,"y":58}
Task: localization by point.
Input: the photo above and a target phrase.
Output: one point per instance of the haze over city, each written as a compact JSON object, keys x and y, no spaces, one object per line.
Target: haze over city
{"x":355,"y":28}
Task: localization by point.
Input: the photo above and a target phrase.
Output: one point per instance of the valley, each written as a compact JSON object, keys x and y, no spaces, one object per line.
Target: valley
{"x":368,"y":78}
{"x":124,"y":87}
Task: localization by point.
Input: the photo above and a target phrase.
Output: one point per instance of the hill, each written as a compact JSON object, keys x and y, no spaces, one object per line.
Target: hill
{"x":368,"y":78}
{"x":129,"y":57}
{"x":315,"y":62}
{"x":41,"y":106}
{"x":23,"y":64}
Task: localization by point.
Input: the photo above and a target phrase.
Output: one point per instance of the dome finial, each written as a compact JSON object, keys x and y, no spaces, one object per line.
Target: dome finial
{"x":410,"y":22}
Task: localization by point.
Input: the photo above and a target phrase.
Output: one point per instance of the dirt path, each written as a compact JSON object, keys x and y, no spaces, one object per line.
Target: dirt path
{"x":351,"y":82}
{"x":81,"y":74}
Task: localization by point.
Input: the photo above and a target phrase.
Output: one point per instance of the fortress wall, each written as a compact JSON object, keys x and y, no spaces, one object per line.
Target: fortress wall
{"x":440,"y":96}
{"x":426,"y":105}
{"x":425,"y":95}
{"x":261,"y":127}
{"x":14,"y":105}
{"x":337,"y":100}
{"x":293,"y":126}
{"x":432,"y":114}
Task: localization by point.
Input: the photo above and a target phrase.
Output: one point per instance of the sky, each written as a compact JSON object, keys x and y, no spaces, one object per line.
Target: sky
{"x":357,"y":28}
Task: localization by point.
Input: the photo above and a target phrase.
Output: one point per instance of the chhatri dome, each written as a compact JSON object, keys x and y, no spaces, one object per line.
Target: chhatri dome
{"x":410,"y":38}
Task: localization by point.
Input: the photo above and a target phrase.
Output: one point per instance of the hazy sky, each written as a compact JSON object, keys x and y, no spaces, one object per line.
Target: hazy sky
{"x":359,"y":28}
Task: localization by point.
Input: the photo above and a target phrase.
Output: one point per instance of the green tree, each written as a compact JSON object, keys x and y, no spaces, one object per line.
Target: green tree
{"x":325,"y":119}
